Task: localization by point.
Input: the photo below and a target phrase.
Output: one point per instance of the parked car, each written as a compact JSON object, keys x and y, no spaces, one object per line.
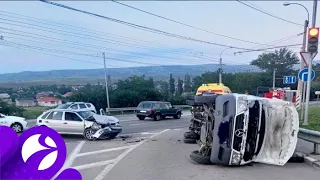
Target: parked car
{"x":239,"y":129}
{"x":92,"y":126}
{"x":157,"y":110}
{"x":78,"y":105}
{"x":18,"y":124}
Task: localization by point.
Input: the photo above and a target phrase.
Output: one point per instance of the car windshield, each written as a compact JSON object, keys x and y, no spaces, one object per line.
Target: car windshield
{"x":63,"y":106}
{"x":86,"y":115}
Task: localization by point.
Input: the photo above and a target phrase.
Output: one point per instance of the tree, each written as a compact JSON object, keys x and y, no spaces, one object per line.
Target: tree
{"x":10,"y":109}
{"x":165,"y":90}
{"x":282,"y":60}
{"x":187,"y":83}
{"x":180,"y":87}
{"x":171,"y":84}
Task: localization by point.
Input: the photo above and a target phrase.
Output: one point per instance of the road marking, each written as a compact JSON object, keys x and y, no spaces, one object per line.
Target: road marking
{"x":146,"y":133}
{"x":105,"y":150}
{"x":71,"y":158}
{"x":107,"y":169}
{"x":135,"y":124}
{"x":91,"y":165}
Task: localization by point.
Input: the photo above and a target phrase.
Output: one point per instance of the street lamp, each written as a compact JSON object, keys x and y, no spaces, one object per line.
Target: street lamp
{"x":287,"y":4}
{"x":304,"y":42}
{"x":220,"y":64}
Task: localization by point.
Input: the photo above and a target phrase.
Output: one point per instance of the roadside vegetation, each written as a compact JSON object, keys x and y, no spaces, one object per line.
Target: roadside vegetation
{"x":314,"y":119}
{"x":33,"y":112}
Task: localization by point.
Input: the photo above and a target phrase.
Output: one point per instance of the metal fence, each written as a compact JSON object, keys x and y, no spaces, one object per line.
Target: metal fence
{"x":133,"y":109}
{"x":310,"y":136}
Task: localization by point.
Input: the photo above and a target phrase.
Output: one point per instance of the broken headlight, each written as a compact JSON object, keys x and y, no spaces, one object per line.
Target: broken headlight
{"x":235,"y":158}
{"x":96,"y":126}
{"x":242,"y":104}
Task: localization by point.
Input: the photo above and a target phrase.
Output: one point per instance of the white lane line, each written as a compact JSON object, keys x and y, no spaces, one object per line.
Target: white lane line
{"x":91,"y":165}
{"x":146,"y":133}
{"x":135,"y":124}
{"x":104,"y":150}
{"x":107,"y":169}
{"x":71,"y":158}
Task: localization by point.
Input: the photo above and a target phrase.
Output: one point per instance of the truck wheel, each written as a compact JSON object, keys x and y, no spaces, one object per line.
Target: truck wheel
{"x":141,"y":117}
{"x":177,"y":116}
{"x":157,"y":117}
{"x":194,"y":156}
{"x":191,"y":135}
{"x":189,"y":141}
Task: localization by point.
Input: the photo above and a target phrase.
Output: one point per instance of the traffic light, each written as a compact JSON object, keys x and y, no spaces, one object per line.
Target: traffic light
{"x":313,"y":36}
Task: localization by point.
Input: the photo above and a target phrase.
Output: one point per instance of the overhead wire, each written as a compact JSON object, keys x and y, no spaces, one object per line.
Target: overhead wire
{"x":184,"y":24}
{"x":269,"y":14}
{"x":153,"y":30}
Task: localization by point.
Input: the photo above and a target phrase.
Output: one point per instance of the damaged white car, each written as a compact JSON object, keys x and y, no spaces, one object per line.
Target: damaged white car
{"x":240,"y":129}
{"x":92,"y":126}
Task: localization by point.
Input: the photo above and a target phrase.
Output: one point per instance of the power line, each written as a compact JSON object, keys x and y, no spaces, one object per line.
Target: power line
{"x":184,"y":23}
{"x":274,"y":47}
{"x":79,"y":35}
{"x":50,"y":40}
{"x":259,"y":9}
{"x":142,"y":27}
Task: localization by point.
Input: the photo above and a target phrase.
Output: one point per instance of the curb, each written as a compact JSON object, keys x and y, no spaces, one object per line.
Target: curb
{"x":310,"y":160}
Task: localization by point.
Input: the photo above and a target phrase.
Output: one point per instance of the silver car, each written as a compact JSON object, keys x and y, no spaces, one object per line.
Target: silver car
{"x":92,"y":126}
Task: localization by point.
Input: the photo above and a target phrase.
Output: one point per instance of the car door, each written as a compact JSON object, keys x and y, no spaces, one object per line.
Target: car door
{"x":4,"y":121}
{"x":54,"y":120}
{"x":73,"y":123}
{"x":171,"y":111}
{"x":164,"y":109}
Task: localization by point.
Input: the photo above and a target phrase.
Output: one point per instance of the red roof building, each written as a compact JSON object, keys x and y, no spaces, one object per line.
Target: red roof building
{"x":49,"y":101}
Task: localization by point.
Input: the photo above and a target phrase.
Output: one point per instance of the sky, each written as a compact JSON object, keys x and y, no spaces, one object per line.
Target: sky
{"x":60,"y":38}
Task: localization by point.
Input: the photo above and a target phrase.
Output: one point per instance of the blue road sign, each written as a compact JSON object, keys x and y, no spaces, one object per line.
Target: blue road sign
{"x":303,"y":75}
{"x":289,"y":79}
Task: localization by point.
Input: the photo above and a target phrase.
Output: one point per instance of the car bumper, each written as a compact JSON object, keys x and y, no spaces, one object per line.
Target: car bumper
{"x":108,"y":130}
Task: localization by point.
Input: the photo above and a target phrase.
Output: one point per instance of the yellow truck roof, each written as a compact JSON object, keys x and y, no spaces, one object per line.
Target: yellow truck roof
{"x":218,"y":88}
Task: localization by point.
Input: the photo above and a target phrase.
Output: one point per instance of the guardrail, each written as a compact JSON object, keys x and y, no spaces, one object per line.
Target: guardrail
{"x":133,"y":109}
{"x":310,"y":136}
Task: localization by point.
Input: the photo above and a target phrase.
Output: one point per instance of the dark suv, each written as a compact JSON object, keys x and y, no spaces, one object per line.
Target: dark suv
{"x":157,"y":110}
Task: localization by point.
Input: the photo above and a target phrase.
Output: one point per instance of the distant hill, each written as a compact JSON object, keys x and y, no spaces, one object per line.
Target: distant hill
{"x":119,"y":73}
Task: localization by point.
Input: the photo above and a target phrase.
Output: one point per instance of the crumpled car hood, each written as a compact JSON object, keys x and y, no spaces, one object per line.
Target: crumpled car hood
{"x":103,"y":119}
{"x":281,"y":136}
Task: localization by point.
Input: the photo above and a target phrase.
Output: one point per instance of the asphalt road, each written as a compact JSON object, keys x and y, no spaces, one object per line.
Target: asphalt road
{"x":131,"y":124}
{"x":154,"y":151}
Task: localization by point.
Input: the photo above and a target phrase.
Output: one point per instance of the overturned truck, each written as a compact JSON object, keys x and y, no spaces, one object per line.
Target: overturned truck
{"x":237,"y":129}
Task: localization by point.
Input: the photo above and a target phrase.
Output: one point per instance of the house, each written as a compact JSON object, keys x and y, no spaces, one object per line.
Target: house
{"x":68,"y":94}
{"x":4,"y":96}
{"x":26,"y":102}
{"x":49,"y":101}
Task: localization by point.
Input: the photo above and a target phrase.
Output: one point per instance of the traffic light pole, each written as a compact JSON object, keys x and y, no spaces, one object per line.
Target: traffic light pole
{"x":306,"y":113}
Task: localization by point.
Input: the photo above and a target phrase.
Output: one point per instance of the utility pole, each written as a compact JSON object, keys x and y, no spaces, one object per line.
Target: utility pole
{"x":106,"y":81}
{"x":274,"y":79}
{"x":220,"y":71}
{"x":306,"y":113}
{"x":303,"y":49}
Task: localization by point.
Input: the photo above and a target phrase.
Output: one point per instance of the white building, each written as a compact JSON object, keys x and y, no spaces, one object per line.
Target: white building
{"x":49,"y":101}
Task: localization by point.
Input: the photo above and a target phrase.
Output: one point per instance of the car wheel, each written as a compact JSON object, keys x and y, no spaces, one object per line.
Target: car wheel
{"x":196,"y":157}
{"x":191,"y":135}
{"x":88,"y":134}
{"x":189,"y":141}
{"x":157,"y":117}
{"x":178,"y":115}
{"x":17,"y":127}
{"x":141,"y":117}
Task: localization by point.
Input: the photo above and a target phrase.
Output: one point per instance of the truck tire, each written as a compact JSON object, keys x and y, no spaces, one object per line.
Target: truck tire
{"x":194,"y":156}
{"x":189,"y":141}
{"x":191,"y":135}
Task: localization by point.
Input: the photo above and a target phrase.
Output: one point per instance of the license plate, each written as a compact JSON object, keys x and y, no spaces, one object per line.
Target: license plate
{"x":143,"y":111}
